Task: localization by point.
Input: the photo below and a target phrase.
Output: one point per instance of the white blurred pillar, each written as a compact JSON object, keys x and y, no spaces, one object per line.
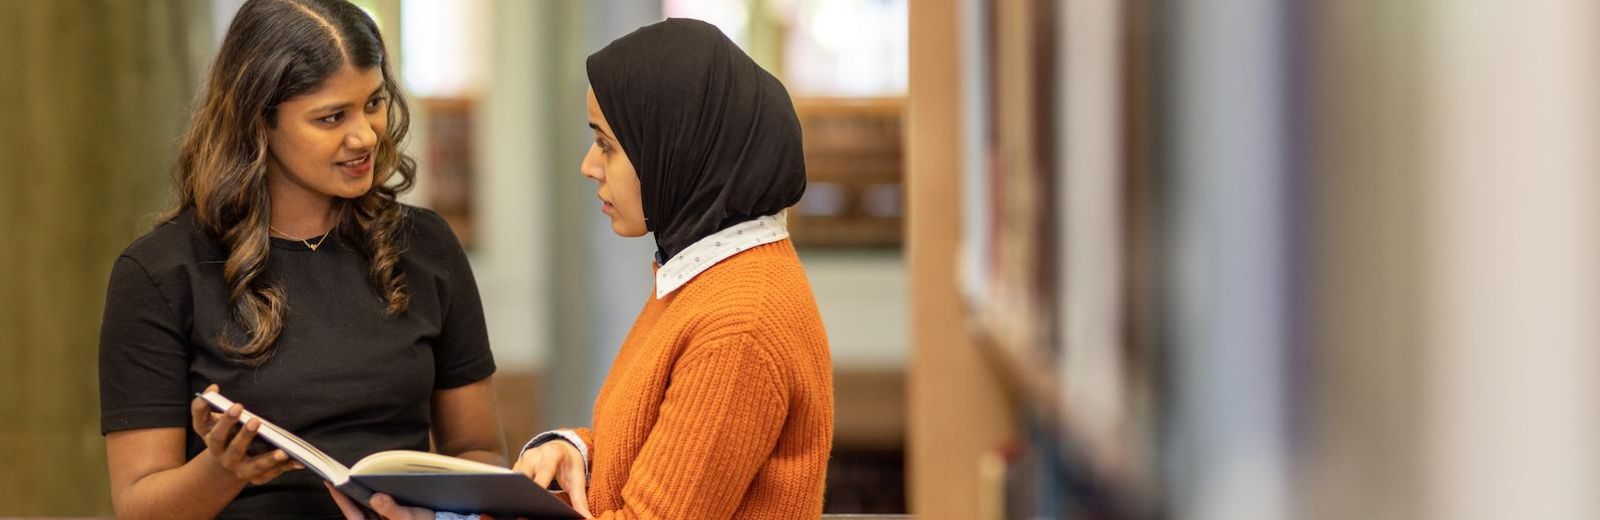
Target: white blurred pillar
{"x":599,"y":281}
{"x":511,"y":259}
{"x":1515,"y":274}
{"x":1229,"y":307}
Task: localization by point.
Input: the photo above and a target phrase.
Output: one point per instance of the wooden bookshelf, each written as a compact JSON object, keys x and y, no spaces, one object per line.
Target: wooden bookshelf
{"x":854,"y":171}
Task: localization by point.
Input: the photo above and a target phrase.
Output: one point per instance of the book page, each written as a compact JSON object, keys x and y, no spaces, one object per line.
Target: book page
{"x":291,"y":444}
{"x":411,"y":462}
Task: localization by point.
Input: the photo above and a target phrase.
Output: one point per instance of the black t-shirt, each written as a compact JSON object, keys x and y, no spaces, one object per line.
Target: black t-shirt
{"x":343,"y":375}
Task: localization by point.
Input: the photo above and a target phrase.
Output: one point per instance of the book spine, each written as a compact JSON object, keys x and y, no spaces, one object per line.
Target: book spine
{"x":361,"y":494}
{"x":356,"y":490}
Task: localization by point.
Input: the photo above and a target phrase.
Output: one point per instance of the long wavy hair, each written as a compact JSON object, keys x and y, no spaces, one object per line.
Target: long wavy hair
{"x":275,"y":50}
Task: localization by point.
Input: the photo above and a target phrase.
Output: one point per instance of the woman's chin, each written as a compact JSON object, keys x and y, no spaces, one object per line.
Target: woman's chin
{"x":622,"y":229}
{"x":352,"y":190}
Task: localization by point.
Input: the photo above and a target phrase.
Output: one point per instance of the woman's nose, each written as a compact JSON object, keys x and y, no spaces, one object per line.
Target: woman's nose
{"x":590,"y":167}
{"x":363,"y":139}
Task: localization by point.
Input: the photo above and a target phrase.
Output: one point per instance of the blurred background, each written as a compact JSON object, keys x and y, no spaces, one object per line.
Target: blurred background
{"x":1242,"y":259}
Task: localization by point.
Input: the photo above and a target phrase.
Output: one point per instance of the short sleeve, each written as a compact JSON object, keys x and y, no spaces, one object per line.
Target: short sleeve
{"x":144,"y":355}
{"x":462,"y":354}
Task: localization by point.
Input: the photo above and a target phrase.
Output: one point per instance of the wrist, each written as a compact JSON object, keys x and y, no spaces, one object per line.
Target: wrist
{"x":213,"y":471}
{"x":568,"y":436}
{"x":570,"y":449}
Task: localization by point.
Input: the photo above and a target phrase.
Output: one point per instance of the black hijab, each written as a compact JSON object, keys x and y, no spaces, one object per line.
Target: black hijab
{"x":713,"y":137}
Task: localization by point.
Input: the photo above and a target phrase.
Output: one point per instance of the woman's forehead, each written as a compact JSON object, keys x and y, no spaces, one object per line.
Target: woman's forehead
{"x":348,"y":84}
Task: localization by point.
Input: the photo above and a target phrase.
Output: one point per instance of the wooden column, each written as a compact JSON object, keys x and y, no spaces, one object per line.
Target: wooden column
{"x":958,"y":411}
{"x":92,"y":101}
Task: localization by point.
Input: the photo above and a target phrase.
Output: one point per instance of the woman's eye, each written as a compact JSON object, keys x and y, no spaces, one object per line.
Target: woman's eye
{"x":331,"y":118}
{"x":375,"y":103}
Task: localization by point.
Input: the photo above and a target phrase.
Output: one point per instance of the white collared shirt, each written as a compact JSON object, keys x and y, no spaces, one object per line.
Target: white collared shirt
{"x":719,"y":246}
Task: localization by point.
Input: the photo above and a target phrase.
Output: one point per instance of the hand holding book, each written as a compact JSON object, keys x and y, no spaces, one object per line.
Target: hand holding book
{"x":382,"y":504}
{"x":541,"y":464}
{"x":434,"y":481}
{"x":229,"y":443}
{"x":560,"y":462}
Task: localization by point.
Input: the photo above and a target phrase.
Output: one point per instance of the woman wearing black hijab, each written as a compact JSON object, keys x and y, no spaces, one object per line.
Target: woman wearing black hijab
{"x":720,"y":401}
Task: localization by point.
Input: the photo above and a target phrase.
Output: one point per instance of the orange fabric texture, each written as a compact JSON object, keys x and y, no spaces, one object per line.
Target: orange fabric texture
{"x":720,"y":402}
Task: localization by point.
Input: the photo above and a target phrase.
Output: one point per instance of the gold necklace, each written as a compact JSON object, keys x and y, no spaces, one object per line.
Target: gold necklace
{"x":305,"y":241}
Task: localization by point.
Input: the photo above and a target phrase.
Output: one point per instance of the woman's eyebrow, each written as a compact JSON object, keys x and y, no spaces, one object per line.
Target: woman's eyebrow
{"x":340,"y":107}
{"x":597,"y":129}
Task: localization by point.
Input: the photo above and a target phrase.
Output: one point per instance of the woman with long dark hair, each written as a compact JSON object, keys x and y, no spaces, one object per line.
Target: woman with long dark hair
{"x":720,"y":402}
{"x":289,"y":275}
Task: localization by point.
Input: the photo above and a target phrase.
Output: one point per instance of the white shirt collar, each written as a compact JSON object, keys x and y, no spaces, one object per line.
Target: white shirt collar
{"x":719,"y":246}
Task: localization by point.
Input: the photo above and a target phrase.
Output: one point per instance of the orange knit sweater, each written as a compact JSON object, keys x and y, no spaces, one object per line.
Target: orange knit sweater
{"x":720,"y":402}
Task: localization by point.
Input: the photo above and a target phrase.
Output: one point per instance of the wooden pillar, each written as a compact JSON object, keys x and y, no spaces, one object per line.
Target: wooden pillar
{"x":958,"y":411}
{"x":93,"y":100}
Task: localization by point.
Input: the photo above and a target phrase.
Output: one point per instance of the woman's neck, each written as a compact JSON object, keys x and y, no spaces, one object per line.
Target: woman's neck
{"x":298,"y":214}
{"x":294,"y":221}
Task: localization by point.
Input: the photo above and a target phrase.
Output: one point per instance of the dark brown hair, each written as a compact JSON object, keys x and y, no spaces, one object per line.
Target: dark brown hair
{"x":275,"y":50}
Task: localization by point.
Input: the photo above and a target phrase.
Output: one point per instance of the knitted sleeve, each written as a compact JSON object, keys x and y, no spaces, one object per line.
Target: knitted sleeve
{"x":719,"y":421}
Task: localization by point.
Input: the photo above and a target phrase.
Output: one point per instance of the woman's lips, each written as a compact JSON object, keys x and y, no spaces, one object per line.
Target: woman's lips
{"x":358,"y":167}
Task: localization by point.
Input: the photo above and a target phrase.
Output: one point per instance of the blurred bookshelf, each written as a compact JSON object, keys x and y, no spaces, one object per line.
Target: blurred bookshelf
{"x":447,"y":159}
{"x":854,"y":179}
{"x":1054,"y":255}
{"x":850,"y":224}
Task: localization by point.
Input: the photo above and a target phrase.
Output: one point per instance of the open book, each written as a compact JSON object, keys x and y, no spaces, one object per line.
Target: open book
{"x":415,"y":478}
